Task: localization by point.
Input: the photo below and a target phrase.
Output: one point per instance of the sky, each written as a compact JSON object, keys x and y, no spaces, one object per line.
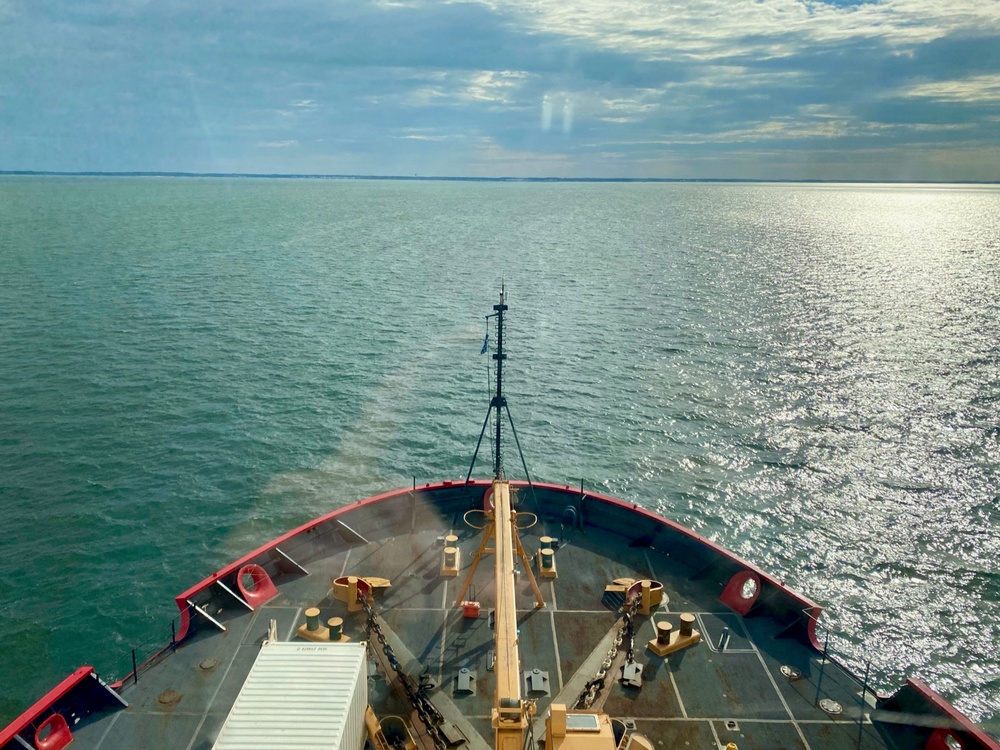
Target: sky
{"x":893,"y":90}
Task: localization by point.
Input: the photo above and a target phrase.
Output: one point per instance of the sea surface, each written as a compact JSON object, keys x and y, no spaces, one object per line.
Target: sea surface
{"x":807,"y":374}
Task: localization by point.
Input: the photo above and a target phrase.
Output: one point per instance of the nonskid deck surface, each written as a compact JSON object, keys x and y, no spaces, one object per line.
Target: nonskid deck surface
{"x":699,"y":697}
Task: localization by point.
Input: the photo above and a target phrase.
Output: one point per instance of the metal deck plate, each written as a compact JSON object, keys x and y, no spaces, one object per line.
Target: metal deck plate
{"x":685,"y":700}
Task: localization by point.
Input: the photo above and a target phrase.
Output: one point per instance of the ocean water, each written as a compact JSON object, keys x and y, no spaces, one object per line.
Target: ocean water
{"x":807,"y":374}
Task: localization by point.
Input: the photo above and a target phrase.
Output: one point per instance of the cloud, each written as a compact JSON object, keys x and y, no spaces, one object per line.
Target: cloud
{"x":973,"y":90}
{"x":129,"y":84}
{"x":705,"y":29}
{"x":411,"y":135}
{"x":491,"y":159}
{"x":494,"y":85}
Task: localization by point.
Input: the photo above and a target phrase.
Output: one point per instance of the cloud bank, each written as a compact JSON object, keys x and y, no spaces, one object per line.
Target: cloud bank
{"x":765,"y":89}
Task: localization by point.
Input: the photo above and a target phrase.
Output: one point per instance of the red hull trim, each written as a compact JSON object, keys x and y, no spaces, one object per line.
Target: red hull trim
{"x":960,"y":720}
{"x":809,"y":607}
{"x":43,"y":704}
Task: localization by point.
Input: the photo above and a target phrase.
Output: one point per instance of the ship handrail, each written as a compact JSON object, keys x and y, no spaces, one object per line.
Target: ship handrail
{"x":942,"y":715}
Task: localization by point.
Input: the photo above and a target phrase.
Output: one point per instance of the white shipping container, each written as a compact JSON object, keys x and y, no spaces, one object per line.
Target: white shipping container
{"x":300,"y":696}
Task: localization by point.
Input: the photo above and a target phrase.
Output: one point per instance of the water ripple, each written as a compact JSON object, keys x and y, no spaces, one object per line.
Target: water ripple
{"x":807,"y":374}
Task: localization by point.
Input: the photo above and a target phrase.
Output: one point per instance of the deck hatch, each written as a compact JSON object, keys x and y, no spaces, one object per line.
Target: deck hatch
{"x":299,"y":696}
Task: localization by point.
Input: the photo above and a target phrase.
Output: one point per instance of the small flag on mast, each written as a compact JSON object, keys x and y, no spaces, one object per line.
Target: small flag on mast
{"x":486,"y":341}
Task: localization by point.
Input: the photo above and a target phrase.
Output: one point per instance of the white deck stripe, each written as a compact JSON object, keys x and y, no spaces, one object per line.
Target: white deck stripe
{"x":347,"y":559}
{"x":555,"y":645}
{"x":677,"y":690}
{"x":222,"y":682}
{"x":295,"y":621}
{"x":711,"y":725}
{"x":444,"y":633}
{"x":781,"y":697}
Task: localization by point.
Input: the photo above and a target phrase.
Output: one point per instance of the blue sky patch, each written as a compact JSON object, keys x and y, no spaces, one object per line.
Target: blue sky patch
{"x":585,"y":88}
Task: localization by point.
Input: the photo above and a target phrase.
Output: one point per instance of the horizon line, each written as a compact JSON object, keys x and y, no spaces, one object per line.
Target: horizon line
{"x":450,"y":178}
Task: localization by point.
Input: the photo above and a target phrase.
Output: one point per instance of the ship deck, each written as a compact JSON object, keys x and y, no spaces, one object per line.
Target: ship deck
{"x":702,"y":696}
{"x":757,"y":679}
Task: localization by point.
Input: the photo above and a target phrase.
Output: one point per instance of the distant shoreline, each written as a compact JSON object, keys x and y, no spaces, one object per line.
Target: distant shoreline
{"x":444,"y":178}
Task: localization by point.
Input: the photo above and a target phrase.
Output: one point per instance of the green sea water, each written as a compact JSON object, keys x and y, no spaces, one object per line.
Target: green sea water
{"x":807,"y":374}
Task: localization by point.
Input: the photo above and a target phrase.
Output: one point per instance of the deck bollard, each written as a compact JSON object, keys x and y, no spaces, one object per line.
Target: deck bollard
{"x":312,"y":619}
{"x":336,"y":628}
{"x":451,"y":557}
{"x":687,"y":624}
{"x":663,"y":629}
{"x":314,"y":630}
{"x":547,"y":558}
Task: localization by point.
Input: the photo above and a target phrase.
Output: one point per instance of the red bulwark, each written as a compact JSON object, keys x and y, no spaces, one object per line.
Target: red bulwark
{"x":967,"y":734}
{"x":735,"y":596}
{"x":44,"y":704}
{"x":58,"y":733}
{"x":263,"y":587}
{"x":488,"y":499}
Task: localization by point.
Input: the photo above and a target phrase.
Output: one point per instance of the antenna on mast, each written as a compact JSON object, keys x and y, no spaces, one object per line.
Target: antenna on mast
{"x":499,"y":402}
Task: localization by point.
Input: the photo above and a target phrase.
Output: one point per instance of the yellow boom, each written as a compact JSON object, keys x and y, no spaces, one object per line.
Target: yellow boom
{"x":509,"y":719}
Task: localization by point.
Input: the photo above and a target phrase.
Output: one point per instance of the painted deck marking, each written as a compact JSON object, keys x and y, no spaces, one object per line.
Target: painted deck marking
{"x":718,"y":742}
{"x":105,"y":735}
{"x":555,"y":645}
{"x":781,"y":697}
{"x":222,"y":682}
{"x":677,"y":690}
{"x":444,"y":633}
{"x":292,"y":630}
{"x":347,"y":558}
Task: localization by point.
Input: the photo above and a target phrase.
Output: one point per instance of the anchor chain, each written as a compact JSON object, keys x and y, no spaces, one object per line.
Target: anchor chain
{"x":629,"y":638}
{"x":626,"y":634}
{"x":428,"y":714}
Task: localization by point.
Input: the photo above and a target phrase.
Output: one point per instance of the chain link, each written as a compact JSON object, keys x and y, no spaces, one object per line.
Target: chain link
{"x":428,"y":714}
{"x":626,"y":634}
